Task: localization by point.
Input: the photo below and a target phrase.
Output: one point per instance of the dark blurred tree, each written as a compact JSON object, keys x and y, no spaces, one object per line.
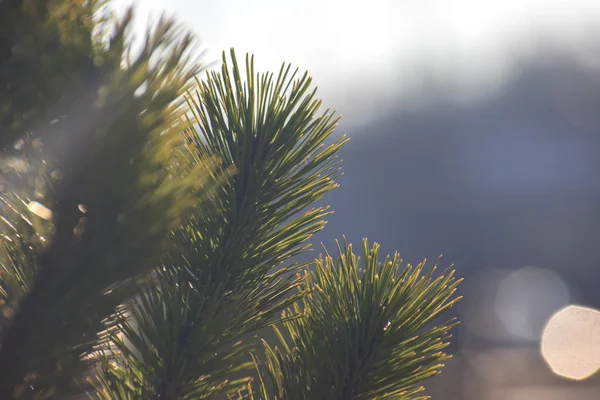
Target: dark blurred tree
{"x":146,"y":236}
{"x":46,"y":50}
{"x":89,"y":212}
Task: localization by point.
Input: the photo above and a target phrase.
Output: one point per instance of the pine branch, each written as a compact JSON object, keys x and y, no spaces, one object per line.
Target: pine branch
{"x":227,"y":279}
{"x":365,"y":332}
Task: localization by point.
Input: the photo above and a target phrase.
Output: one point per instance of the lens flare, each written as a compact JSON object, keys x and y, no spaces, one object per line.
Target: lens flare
{"x":570,"y":342}
{"x":40,"y":210}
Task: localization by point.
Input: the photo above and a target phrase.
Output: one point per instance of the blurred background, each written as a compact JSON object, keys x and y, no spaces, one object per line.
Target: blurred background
{"x":475,"y":133}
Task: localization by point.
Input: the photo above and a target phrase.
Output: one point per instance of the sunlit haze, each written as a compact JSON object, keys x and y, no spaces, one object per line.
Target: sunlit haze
{"x":368,"y":56}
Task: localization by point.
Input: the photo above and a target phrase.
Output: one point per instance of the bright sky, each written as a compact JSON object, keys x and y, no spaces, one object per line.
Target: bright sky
{"x":367,"y":56}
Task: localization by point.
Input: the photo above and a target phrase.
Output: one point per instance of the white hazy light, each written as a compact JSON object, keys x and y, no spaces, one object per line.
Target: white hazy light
{"x":570,"y":342}
{"x":368,"y":57}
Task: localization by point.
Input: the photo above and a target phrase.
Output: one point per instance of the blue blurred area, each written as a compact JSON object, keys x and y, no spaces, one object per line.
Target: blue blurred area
{"x":507,"y":182}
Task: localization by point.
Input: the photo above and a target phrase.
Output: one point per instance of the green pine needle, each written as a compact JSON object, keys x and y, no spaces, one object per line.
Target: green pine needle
{"x":226,"y":279}
{"x":365,"y":332}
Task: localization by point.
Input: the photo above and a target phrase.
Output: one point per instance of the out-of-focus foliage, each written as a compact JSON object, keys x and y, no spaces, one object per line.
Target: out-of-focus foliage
{"x":46,"y":51}
{"x":108,"y":123}
{"x":363,"y":332}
